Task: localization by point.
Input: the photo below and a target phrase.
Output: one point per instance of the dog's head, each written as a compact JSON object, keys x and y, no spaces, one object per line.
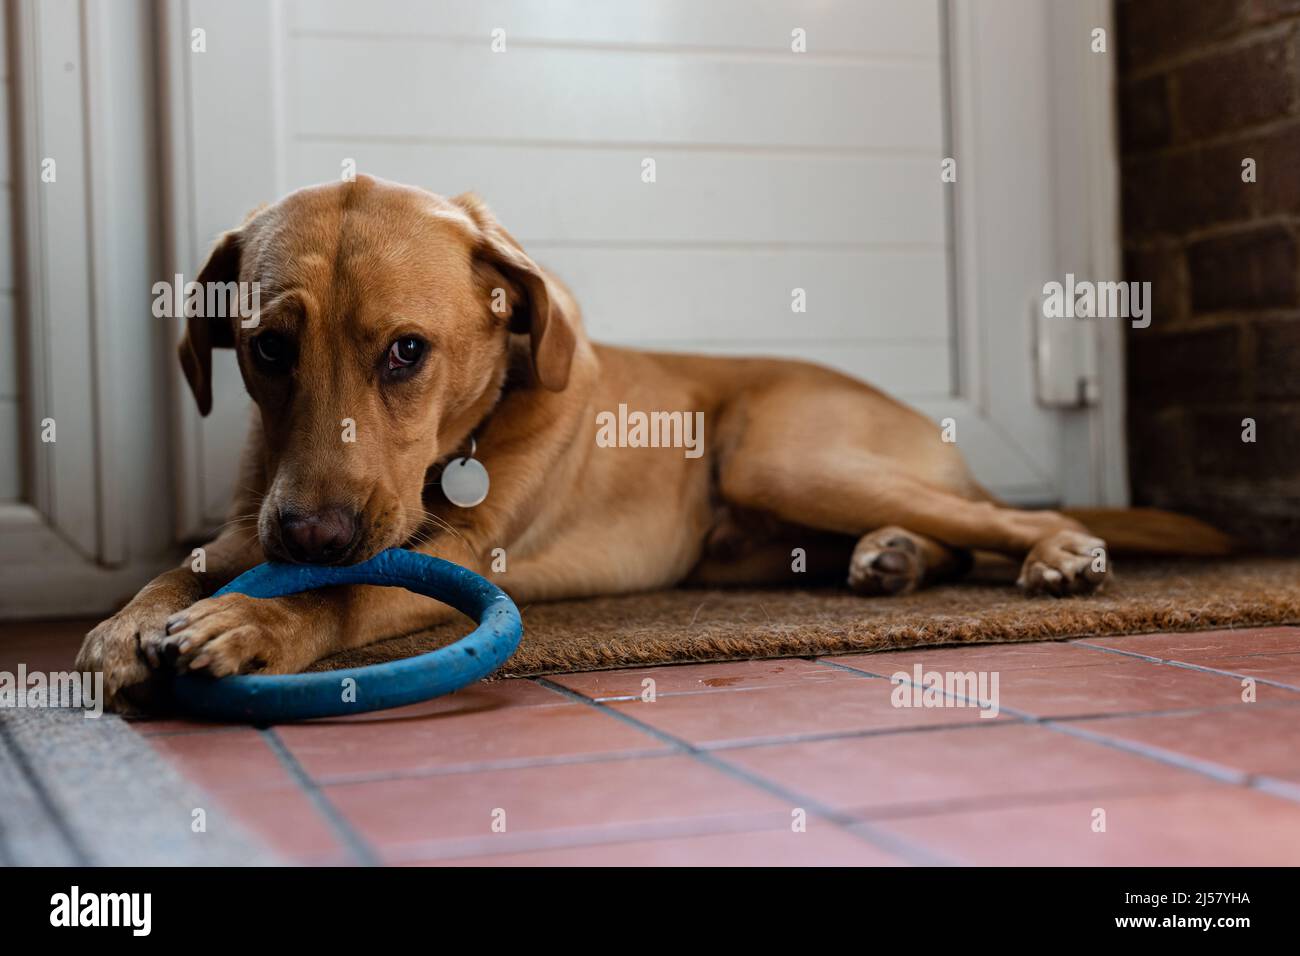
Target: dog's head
{"x":383,"y":334}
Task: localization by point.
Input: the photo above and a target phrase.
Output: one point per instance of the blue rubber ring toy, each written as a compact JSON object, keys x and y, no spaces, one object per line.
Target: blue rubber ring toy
{"x":272,"y":699}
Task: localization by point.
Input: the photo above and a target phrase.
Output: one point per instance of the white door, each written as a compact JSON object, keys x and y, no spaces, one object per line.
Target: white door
{"x":796,"y":205}
{"x":83,"y":479}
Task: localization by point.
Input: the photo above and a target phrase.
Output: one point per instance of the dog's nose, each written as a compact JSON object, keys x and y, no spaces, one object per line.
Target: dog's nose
{"x":319,"y":537}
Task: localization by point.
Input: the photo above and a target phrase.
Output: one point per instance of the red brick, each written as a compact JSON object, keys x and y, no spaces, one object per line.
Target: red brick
{"x":1197,"y":96}
{"x":1184,"y":367}
{"x":1277,"y":358}
{"x":1162,"y":266}
{"x":1157,"y":447}
{"x":1243,"y":87}
{"x":1264,"y":11}
{"x":1170,"y":194}
{"x":1144,"y":114}
{"x":1244,"y":270}
{"x":1277,"y":187}
{"x":1219,"y":452}
{"x":1152,"y":30}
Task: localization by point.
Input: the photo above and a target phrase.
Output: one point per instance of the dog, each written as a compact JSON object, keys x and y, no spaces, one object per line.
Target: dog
{"x":421,"y":324}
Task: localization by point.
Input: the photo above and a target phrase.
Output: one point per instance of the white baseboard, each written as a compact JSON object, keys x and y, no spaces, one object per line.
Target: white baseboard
{"x":58,"y":590}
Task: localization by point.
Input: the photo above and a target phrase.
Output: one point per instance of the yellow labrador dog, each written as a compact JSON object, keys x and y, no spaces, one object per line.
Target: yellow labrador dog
{"x":422,"y":323}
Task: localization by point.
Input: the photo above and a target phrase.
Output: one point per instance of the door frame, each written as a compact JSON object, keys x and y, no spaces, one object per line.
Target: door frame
{"x":1079,"y":229}
{"x":56,"y":226}
{"x":254,"y":171}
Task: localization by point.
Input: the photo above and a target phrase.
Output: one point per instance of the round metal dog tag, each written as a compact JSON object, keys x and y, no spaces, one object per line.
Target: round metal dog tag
{"x":465,"y":482}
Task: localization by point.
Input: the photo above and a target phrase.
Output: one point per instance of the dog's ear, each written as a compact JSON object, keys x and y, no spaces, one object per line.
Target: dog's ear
{"x":532,"y":303}
{"x":204,"y":333}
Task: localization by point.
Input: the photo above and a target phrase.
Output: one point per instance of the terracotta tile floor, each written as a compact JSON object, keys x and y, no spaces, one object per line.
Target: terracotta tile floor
{"x":1163,"y":749}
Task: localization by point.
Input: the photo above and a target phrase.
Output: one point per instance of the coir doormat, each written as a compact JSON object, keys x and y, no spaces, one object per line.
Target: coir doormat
{"x":680,"y":625}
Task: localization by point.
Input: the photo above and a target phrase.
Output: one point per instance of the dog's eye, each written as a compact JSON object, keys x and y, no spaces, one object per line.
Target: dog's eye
{"x":404,"y":353}
{"x":272,"y":351}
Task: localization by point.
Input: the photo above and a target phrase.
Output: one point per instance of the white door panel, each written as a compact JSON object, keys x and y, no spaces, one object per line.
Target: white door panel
{"x":895,"y":28}
{"x":595,"y":195}
{"x":658,"y":294}
{"x":572,"y":94}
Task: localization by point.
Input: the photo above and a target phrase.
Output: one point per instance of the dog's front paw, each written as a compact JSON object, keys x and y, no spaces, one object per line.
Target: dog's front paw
{"x":1067,"y":562}
{"x":236,"y":634}
{"x":122,"y":648}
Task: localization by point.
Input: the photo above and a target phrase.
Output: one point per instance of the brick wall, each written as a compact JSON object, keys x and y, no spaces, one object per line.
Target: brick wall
{"x":1204,"y":85}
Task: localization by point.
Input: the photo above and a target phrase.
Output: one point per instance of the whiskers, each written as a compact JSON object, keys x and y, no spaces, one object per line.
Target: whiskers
{"x":430,"y":526}
{"x":242,"y":522}
{"x":248,"y":520}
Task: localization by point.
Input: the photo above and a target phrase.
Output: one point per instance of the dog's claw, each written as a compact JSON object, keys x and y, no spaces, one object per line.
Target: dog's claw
{"x":1065,"y":563}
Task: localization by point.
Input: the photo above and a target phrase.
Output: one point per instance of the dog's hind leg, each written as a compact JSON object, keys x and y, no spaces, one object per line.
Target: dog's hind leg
{"x":845,"y":488}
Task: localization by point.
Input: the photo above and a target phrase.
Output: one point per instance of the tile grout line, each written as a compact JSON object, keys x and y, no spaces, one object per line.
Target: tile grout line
{"x":1085,"y":642}
{"x":1205,"y":768}
{"x":1192,"y":765}
{"x":572,"y":838}
{"x":997,"y":802}
{"x":352,"y":840}
{"x":1267,"y":783}
{"x":817,"y":738}
{"x":1200,"y":668}
{"x":625,"y":698}
{"x":1025,"y":716}
{"x":523,"y":763}
{"x":618,"y":757}
{"x":528,"y":763}
{"x":724,"y":747}
{"x":865,"y":831}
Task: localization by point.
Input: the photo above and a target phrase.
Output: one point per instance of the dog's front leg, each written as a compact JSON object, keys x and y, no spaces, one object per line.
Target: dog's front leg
{"x":236,"y":634}
{"x":127,"y":647}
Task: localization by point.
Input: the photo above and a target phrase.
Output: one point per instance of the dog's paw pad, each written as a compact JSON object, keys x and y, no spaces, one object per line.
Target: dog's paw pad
{"x":886,"y":562}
